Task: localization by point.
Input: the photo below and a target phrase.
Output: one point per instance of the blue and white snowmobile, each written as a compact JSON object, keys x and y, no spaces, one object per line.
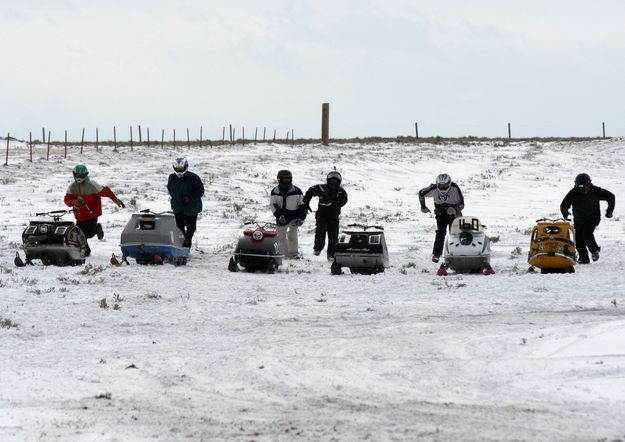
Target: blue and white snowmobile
{"x":153,"y":238}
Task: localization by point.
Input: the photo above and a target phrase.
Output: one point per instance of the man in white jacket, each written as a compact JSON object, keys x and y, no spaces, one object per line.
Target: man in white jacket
{"x":288,"y":207}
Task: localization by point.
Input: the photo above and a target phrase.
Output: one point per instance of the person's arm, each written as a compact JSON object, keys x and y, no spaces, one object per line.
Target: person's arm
{"x":460,"y":205}
{"x":566,"y":204}
{"x":341,"y":197}
{"x":107,"y":192}
{"x":423,"y":193}
{"x":197,"y":187}
{"x":606,"y":195}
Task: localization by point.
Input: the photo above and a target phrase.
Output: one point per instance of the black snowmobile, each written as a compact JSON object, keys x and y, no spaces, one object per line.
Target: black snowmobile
{"x":361,"y":248}
{"x":54,"y":242}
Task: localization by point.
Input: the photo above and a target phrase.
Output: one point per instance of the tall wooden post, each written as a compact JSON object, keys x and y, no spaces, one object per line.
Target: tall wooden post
{"x":30,"y":146}
{"x":223,"y":135}
{"x":325,"y":124}
{"x":131,"y":143}
{"x":603,"y":125}
{"x":509,"y":131}
{"x":200,"y":136}
{"x":234,"y":135}
{"x":147,"y":130}
{"x":274,"y":135}
{"x":115,"y":138}
{"x":188,"y":140}
{"x":43,"y":135}
{"x":264,"y":132}
{"x":174,"y":139}
{"x":6,"y":157}
{"x":416,"y":130}
{"x":140,"y":141}
{"x":243,"y":135}
{"x":82,"y":140}
{"x":97,"y":140}
{"x":231,"y":135}
{"x":162,"y":138}
{"x":48,"y":151}
{"x":65,"y":146}
{"x":255,"y":136}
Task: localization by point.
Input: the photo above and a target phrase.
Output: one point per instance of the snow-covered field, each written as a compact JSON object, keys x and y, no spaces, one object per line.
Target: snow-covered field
{"x":199,"y":353}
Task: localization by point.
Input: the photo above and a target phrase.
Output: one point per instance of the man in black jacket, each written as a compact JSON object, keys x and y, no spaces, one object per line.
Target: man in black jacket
{"x":584,"y":198}
{"x":332,"y":197}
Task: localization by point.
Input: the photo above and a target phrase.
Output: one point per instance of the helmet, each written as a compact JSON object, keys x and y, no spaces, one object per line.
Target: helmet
{"x":443,"y":183}
{"x":285,"y":178}
{"x":80,"y":173}
{"x":334,"y":179}
{"x":582,"y":181}
{"x":181,"y":165}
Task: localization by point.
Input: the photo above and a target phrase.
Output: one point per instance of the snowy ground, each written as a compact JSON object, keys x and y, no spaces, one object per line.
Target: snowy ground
{"x":198,"y":353}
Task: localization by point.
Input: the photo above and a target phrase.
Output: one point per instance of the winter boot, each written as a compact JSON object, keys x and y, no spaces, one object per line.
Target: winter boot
{"x":99,"y":232}
{"x":595,"y":255}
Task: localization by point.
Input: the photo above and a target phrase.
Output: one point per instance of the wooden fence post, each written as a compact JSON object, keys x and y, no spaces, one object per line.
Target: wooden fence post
{"x":140,"y":141}
{"x":162,"y":138}
{"x":82,"y":140}
{"x":255,"y":136}
{"x":223,"y":135}
{"x":243,"y":136}
{"x":131,"y":143}
{"x":200,"y":137}
{"x":274,"y":135}
{"x":416,"y":130}
{"x":65,"y":146}
{"x":30,"y":146}
{"x":174,"y":139}
{"x":43,"y":135}
{"x":231,"y":141}
{"x":6,"y":157}
{"x":264,"y":132}
{"x":509,"y":131}
{"x":48,"y":151}
{"x":325,"y":123}
{"x":603,"y":126}
{"x":234,"y":132}
{"x":115,"y":138}
{"x":148,"y":135}
{"x":188,"y":139}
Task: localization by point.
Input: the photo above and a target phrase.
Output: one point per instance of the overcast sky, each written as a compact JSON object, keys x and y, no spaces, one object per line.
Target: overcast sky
{"x":457,"y":67}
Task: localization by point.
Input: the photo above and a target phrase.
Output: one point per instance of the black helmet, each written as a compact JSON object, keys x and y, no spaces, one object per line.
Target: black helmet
{"x":334,"y":176}
{"x":284,"y":174}
{"x":582,"y":181}
{"x":285,"y":178}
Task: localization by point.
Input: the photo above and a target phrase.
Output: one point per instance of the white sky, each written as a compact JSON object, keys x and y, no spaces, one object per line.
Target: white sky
{"x":457,"y":67}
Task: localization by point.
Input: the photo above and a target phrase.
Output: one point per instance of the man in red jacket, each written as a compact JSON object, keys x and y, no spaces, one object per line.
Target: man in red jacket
{"x":85,"y":196}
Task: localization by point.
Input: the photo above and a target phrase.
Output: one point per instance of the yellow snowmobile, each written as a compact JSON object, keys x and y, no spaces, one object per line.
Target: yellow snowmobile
{"x":552,"y":246}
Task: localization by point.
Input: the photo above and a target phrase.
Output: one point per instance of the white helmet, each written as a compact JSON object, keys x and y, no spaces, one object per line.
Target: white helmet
{"x":443,"y":183}
{"x":181,"y":165}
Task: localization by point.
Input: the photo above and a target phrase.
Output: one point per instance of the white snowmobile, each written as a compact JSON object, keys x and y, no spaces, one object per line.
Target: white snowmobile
{"x":467,"y":249}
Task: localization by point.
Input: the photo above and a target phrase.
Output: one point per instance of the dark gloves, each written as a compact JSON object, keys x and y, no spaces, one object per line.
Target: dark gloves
{"x":299,"y":222}
{"x":78,"y":202}
{"x":608,"y":214}
{"x":566,"y":214}
{"x":281,"y":220}
{"x":119,"y":203}
{"x":425,"y":210}
{"x":184,"y":200}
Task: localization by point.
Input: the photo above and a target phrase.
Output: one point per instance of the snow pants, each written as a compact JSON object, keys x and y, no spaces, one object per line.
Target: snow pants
{"x":585,"y":239}
{"x":90,"y":229}
{"x":287,"y":234}
{"x":187,"y":225}
{"x":443,"y":222}
{"x":329,"y":226}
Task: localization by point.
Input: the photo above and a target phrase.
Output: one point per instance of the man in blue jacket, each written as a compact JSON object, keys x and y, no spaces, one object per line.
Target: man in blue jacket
{"x":186,"y":190}
{"x":286,"y":201}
